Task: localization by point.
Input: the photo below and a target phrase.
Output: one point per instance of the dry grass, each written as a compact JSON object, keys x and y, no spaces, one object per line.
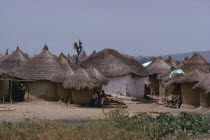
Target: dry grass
{"x":116,"y":126}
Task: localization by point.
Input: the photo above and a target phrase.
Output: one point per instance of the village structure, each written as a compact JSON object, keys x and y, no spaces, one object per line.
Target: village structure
{"x":51,"y":78}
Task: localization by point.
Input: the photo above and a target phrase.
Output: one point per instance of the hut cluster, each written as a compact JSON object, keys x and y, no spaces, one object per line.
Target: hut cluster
{"x":59,"y":78}
{"x":47,"y":77}
{"x":189,"y":80}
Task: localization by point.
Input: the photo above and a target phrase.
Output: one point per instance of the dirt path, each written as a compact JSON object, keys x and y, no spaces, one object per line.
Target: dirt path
{"x":59,"y":111}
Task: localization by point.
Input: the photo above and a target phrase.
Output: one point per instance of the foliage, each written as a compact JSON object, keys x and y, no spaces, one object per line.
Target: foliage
{"x":117,"y":125}
{"x":79,"y":50}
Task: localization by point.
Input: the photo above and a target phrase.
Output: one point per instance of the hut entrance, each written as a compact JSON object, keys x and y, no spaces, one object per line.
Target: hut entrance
{"x":17,"y":90}
{"x":154,"y":86}
{"x":188,"y":95}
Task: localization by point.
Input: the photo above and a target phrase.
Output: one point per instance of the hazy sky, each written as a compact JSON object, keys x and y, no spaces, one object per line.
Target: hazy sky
{"x":135,"y":27}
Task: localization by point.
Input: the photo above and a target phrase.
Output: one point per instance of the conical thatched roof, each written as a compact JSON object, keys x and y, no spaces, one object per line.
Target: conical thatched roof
{"x":16,"y":59}
{"x":83,"y":56}
{"x":92,"y":70}
{"x":193,"y":76}
{"x":63,"y":59}
{"x":196,"y":62}
{"x":181,"y":64}
{"x":204,"y":84}
{"x":4,"y":57}
{"x":81,"y":79}
{"x":65,"y":71}
{"x":159,"y":66}
{"x":93,"y":53}
{"x":112,"y":63}
{"x":170,"y":62}
{"x":41,"y":67}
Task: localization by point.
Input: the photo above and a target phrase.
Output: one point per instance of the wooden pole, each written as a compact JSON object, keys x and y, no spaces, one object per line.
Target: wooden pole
{"x":11,"y":91}
{"x":28,"y":91}
{"x":3,"y":90}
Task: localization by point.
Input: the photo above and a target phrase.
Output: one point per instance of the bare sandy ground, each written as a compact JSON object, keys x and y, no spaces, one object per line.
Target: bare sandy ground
{"x":61,"y":112}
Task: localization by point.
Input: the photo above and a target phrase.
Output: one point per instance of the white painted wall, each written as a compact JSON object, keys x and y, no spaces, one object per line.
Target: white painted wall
{"x":126,"y":85}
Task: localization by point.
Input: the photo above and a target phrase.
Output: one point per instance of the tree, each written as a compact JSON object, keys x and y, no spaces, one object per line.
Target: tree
{"x":79,"y":50}
{"x":186,"y":58}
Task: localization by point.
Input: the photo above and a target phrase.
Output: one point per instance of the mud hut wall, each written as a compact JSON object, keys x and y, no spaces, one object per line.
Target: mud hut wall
{"x":4,"y":87}
{"x":204,"y":99}
{"x":135,"y":86}
{"x":162,"y":89}
{"x":117,"y":85}
{"x":190,"y":96}
{"x":82,"y":96}
{"x":63,"y":93}
{"x":154,"y":86}
{"x":43,"y":89}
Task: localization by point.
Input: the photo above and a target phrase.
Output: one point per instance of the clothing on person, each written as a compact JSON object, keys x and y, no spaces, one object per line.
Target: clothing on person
{"x":94,"y":96}
{"x":103,"y":97}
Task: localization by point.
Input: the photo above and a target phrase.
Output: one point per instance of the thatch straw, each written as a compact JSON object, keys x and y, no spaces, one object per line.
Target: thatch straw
{"x":83,"y":57}
{"x":204,"y":84}
{"x":181,"y":64}
{"x":63,"y":74}
{"x":63,"y":59}
{"x":93,"y":53}
{"x":112,"y":63}
{"x":3,"y":72}
{"x":164,"y":76}
{"x":81,"y":79}
{"x":159,"y":66}
{"x":92,"y":70}
{"x":174,"y":79}
{"x":170,"y":62}
{"x":193,"y":76}
{"x":16,"y":59}
{"x":4,"y":57}
{"x":196,"y":62}
{"x":41,"y":67}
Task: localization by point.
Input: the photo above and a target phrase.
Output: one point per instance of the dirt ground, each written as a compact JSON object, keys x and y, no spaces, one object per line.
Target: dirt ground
{"x":61,"y":112}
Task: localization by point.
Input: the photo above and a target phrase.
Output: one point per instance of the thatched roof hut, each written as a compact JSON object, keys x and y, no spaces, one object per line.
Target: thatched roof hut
{"x":170,"y":62}
{"x":82,"y":83}
{"x":196,"y":62}
{"x":111,"y":63}
{"x":188,"y":94}
{"x":81,"y":79}
{"x":159,"y":66}
{"x":41,"y":67}
{"x":4,"y":57}
{"x":16,"y":59}
{"x":204,"y":87}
